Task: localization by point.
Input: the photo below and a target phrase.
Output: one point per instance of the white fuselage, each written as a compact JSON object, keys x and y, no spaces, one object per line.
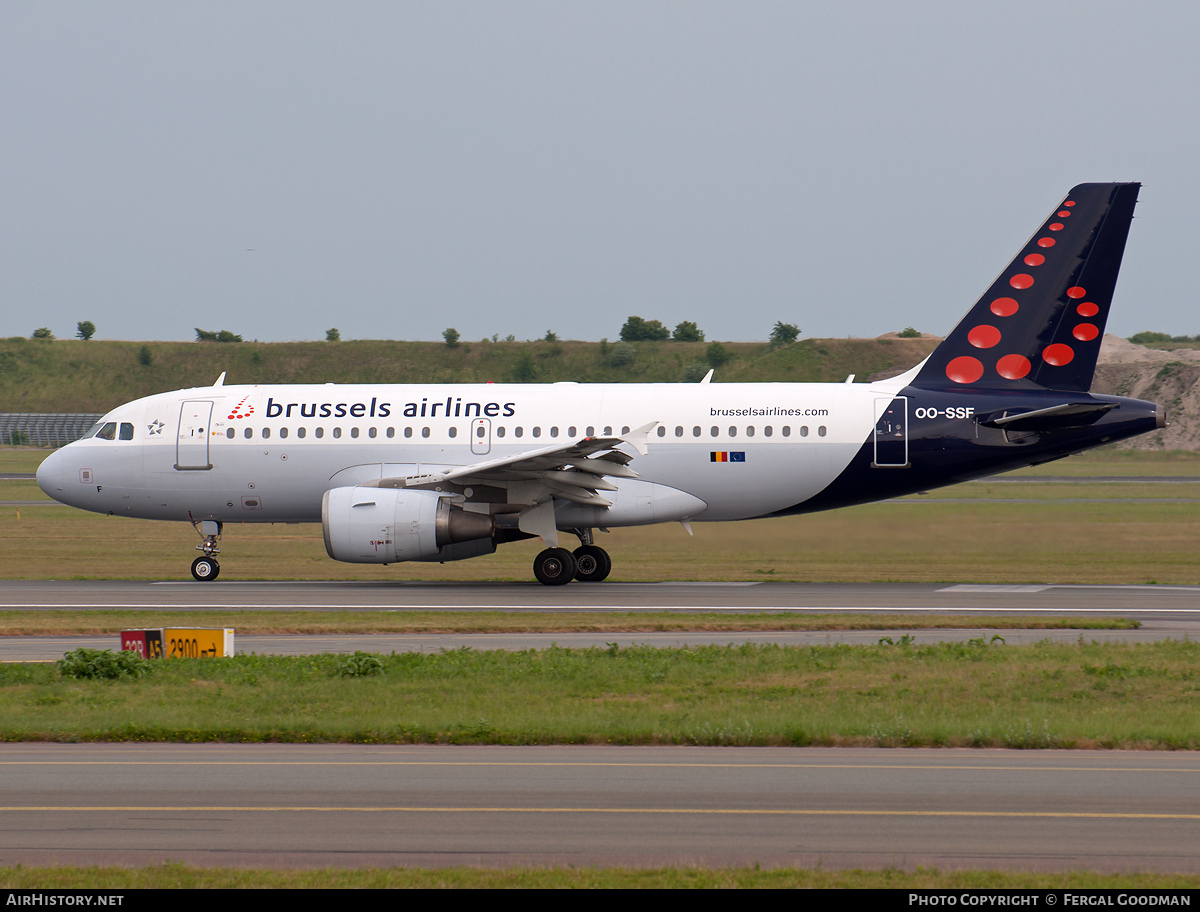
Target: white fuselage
{"x":269,"y":453}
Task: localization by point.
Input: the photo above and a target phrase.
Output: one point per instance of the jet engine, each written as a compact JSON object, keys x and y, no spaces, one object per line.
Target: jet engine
{"x":388,"y":525}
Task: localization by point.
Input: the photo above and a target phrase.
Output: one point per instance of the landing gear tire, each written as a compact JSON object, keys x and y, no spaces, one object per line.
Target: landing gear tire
{"x":554,"y":567}
{"x":592,"y":564}
{"x":205,"y":569}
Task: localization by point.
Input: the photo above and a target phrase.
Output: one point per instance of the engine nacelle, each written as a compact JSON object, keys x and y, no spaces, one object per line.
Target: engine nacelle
{"x":389,"y":525}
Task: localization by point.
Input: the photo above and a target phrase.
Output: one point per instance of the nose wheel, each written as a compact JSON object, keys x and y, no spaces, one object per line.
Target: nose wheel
{"x":205,"y":569}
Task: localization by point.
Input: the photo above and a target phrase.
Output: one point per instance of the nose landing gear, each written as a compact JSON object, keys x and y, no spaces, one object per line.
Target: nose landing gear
{"x":205,"y":569}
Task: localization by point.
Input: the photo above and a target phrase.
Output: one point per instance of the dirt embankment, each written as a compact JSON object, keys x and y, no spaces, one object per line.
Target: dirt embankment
{"x":1170,"y":378}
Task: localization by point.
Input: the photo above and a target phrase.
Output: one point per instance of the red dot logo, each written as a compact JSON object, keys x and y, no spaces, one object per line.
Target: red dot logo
{"x":1034,"y":259}
{"x":1056,"y":226}
{"x":1076,"y":292}
{"x":1085,"y":332}
{"x":1087,"y":309}
{"x":1063,"y":214}
{"x":964,"y":369}
{"x":1004,"y":307}
{"x":1058,"y":354}
{"x":1013,"y":367}
{"x":1021,"y":280}
{"x":1069,"y":203}
{"x":1045,"y":242}
{"x":984,"y":336}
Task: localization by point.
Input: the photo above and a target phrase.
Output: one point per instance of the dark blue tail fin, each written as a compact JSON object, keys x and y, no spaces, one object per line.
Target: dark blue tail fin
{"x":1041,"y":322}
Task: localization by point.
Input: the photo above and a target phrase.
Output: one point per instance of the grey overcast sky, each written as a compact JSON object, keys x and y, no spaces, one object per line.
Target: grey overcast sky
{"x":393,"y":169}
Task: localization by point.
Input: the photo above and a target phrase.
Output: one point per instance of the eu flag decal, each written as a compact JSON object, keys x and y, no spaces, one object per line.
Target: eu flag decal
{"x":727,"y":457}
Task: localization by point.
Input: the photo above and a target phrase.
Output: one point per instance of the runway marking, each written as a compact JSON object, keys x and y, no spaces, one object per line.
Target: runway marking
{"x":599,"y":763}
{"x":749,"y":812}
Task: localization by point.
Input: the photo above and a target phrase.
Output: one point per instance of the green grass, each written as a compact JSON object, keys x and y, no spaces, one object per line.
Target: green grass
{"x":98,"y":622}
{"x":975,"y":694}
{"x":188,"y":877}
{"x":74,"y":376}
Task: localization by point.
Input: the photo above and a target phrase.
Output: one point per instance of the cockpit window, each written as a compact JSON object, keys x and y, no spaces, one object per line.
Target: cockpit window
{"x":126,"y":430}
{"x":108,"y":431}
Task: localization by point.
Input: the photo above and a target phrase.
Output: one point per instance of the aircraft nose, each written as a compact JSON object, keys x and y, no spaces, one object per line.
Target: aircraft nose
{"x":49,"y":474}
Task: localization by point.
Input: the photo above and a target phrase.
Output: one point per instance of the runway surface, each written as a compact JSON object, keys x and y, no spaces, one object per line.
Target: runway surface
{"x":355,"y":805}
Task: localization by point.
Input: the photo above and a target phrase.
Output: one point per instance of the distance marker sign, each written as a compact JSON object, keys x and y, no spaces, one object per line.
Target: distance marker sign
{"x":180,"y":642}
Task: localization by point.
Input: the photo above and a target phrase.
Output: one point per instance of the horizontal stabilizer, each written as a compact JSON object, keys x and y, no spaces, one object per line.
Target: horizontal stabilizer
{"x":1067,"y":415}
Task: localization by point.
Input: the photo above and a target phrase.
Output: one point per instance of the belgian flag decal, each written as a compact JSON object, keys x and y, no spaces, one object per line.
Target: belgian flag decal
{"x":726,"y":457}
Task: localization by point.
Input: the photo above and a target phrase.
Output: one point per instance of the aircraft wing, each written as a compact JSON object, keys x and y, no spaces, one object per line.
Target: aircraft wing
{"x":569,"y":471}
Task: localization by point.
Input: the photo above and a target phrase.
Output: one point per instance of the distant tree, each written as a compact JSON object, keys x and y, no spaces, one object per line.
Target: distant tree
{"x":687,"y":331}
{"x":204,"y":335}
{"x":550,"y":337}
{"x":145,"y":357}
{"x":451,"y":336}
{"x":510,"y":338}
{"x":332,"y":335}
{"x":87,"y":329}
{"x":638,"y":330}
{"x":908,"y":333}
{"x":784,"y":334}
{"x":716,"y":354}
{"x":43,"y":333}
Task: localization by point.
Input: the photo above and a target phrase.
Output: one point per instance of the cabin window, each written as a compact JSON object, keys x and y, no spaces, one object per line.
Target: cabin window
{"x":537,"y":432}
{"x":301,"y":432}
{"x":499,"y":432}
{"x":424,"y":432}
{"x":337,"y":432}
{"x":248,"y":433}
{"x":126,"y":430}
{"x":391,"y":432}
{"x":821,"y":431}
{"x":480,"y":432}
{"x":266,"y":432}
{"x":696,"y":431}
{"x":750,"y":431}
{"x":320,"y":432}
{"x":408,"y":432}
{"x":570,"y":432}
{"x":733,"y":432}
{"x":554,"y":432}
{"x":283,"y":433}
{"x":354,"y":432}
{"x":625,"y":429}
{"x":518,"y":432}
{"x":454,"y":431}
{"x":767,"y":431}
{"x":678,"y":432}
{"x":662,"y":431}
{"x":229,"y":433}
{"x":108,"y":431}
{"x":804,"y":430}
{"x":787,"y":431}
{"x":607,"y":431}
{"x":714,"y":431}
{"x":371,"y":432}
{"x":591,"y":431}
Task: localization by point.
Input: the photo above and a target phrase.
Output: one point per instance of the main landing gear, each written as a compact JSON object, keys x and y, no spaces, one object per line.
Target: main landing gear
{"x":558,"y":566}
{"x":205,"y":569}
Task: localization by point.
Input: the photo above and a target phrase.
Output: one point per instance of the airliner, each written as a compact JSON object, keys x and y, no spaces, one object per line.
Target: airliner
{"x":433,"y":472}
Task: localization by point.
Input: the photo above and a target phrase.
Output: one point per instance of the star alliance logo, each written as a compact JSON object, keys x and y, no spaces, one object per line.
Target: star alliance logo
{"x":156,"y":428}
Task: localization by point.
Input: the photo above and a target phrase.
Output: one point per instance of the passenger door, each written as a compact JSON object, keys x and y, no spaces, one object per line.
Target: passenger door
{"x":191,"y":450}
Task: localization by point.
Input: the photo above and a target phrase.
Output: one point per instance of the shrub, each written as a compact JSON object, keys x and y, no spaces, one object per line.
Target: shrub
{"x":86,"y":328}
{"x":550,"y":336}
{"x":622,"y":355}
{"x":694,"y":373}
{"x":523,"y":370}
{"x":224,"y":335}
{"x":360,"y":665}
{"x":145,"y":356}
{"x":784,"y":333}
{"x":716,"y":354}
{"x":43,"y":333}
{"x":451,"y":336}
{"x":103,"y":664}
{"x":908,"y":333}
{"x":687,"y":331}
{"x":332,"y":335}
{"x":638,"y":330}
